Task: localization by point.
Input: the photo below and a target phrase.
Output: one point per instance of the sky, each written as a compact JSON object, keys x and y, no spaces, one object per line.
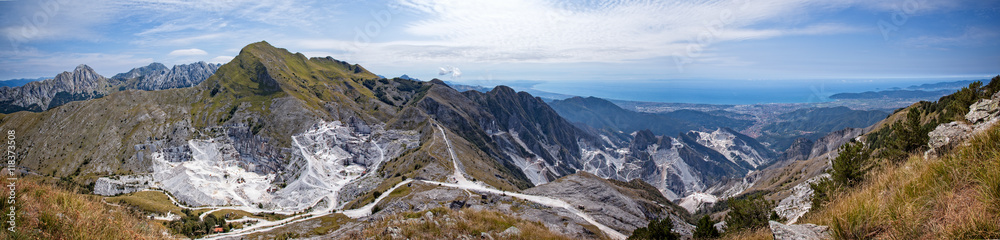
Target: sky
{"x":547,"y":40}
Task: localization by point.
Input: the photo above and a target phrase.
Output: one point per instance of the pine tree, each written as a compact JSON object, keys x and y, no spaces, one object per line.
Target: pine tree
{"x":705,"y":228}
{"x":850,"y":167}
{"x":656,"y":230}
{"x":751,"y":212}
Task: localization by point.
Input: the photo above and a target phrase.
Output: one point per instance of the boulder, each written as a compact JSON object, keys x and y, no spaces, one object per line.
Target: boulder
{"x":511,"y":231}
{"x":721,"y":226}
{"x":984,"y":110}
{"x":121,"y":185}
{"x":799,"y":231}
{"x":947,"y":136}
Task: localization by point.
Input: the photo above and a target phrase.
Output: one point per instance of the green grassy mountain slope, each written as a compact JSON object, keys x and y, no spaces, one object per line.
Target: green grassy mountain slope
{"x":894,"y":188}
{"x":956,"y":196}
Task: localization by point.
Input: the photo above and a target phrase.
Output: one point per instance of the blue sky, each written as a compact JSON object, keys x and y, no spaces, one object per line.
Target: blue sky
{"x":557,"y":40}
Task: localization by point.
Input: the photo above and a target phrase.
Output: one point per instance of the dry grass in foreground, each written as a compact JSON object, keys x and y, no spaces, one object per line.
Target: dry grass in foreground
{"x":45,"y":211}
{"x":757,"y":234}
{"x":450,"y":224}
{"x":956,"y":196}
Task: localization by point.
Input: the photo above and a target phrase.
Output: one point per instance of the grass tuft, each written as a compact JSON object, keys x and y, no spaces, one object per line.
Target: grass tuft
{"x":44,"y":211}
{"x":451,"y":224}
{"x":956,"y":196}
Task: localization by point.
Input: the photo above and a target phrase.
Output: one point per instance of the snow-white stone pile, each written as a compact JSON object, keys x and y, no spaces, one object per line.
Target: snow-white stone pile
{"x":111,"y":186}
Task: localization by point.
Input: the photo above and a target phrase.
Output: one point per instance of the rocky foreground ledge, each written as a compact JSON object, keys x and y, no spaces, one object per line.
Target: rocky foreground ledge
{"x":799,"y":231}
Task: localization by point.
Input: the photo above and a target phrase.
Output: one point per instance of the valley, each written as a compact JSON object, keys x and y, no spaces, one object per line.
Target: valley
{"x":277,"y":143}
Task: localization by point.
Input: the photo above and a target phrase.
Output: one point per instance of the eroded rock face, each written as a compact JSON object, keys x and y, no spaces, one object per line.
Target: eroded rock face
{"x":946,"y":136}
{"x":831,"y":142}
{"x":982,"y":115}
{"x":156,"y":76}
{"x":800,"y":202}
{"x":80,"y":84}
{"x":607,"y":203}
{"x":985,"y":110}
{"x":799,"y":231}
{"x":799,"y":151}
{"x":121,"y":185}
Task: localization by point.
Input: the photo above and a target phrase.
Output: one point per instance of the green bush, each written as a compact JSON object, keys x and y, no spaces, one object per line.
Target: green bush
{"x":850,"y":167}
{"x":822,"y":190}
{"x":910,"y":135}
{"x":751,"y":212}
{"x":705,"y":228}
{"x":656,"y":230}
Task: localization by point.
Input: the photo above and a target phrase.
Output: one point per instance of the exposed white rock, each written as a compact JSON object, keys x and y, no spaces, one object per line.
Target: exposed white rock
{"x":533,"y":167}
{"x":693,"y":202}
{"x":982,"y":114}
{"x":105,"y":186}
{"x":213,"y":177}
{"x":333,"y":156}
{"x":734,"y":149}
{"x":511,"y":231}
{"x":798,"y":231}
{"x":984,"y":110}
{"x":946,"y":136}
{"x":681,"y":227}
{"x":800,"y":202}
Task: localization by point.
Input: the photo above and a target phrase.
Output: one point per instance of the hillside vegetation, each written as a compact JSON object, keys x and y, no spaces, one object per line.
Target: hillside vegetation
{"x":45,"y":211}
{"x":445,"y":223}
{"x":956,"y":196}
{"x":884,"y":187}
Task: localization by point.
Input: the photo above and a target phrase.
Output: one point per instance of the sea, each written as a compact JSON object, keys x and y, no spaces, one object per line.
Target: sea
{"x":712,"y":91}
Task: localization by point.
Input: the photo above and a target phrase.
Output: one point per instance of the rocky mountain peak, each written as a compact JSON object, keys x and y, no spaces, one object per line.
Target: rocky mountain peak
{"x":439,"y":82}
{"x":503,"y":90}
{"x":643,"y":139}
{"x":799,"y":150}
{"x":82,"y":71}
{"x":82,"y":79}
{"x":156,"y":76}
{"x":152,"y":68}
{"x":156,"y":65}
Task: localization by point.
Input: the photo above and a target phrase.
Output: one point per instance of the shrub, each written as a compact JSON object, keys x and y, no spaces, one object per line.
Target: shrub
{"x":910,"y":135}
{"x":850,"y":167}
{"x":656,"y":229}
{"x":748,"y":213}
{"x":822,"y":190}
{"x":705,"y":228}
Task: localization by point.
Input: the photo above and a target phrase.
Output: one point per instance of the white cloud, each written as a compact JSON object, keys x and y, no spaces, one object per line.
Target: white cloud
{"x":560,"y":31}
{"x":221,"y":59}
{"x":187,"y":24}
{"x":449,"y":70}
{"x":188,"y":52}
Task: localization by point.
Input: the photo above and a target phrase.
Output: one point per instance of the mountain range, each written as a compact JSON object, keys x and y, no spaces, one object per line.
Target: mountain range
{"x":276,"y":133}
{"x":273,"y":120}
{"x":84,"y":83}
